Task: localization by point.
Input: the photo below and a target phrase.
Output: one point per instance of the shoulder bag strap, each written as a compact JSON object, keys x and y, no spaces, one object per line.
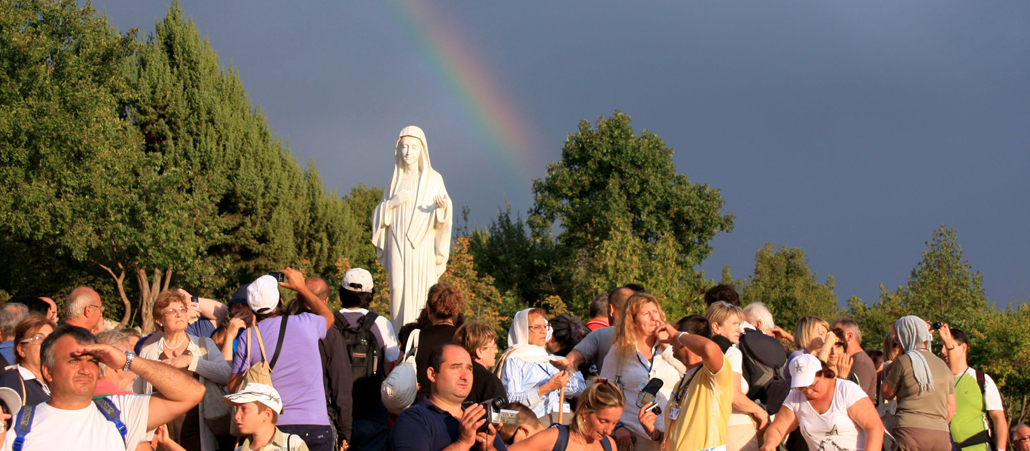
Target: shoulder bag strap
{"x":412,"y":344}
{"x":279,"y":345}
{"x":261,"y":341}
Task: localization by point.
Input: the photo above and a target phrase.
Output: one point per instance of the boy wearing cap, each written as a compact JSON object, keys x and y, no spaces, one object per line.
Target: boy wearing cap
{"x":259,"y":406}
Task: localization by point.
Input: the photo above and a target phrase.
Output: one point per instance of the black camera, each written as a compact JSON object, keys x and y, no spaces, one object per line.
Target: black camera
{"x":935,"y":325}
{"x":279,"y":277}
{"x":496,"y":414}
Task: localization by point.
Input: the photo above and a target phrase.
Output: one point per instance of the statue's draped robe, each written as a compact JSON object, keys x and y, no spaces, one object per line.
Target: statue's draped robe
{"x":413,"y":240}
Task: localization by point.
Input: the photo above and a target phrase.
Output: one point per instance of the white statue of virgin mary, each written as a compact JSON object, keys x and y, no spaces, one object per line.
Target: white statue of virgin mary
{"x":411,"y":227}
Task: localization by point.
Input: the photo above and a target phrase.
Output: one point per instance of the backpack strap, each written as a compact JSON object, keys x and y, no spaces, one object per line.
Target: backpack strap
{"x":22,"y":426}
{"x":606,"y":444}
{"x":112,"y":414}
{"x":279,"y":345}
{"x":366,"y":322}
{"x":563,"y":438}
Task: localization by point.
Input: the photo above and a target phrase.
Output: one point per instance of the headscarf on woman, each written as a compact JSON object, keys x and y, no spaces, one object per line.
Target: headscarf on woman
{"x":518,"y":341}
{"x":913,"y":334}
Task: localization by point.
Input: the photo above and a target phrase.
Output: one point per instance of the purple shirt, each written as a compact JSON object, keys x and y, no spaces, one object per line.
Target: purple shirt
{"x":297,"y":375}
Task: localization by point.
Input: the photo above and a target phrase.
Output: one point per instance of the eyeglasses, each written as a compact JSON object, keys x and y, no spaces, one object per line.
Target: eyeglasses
{"x":174,"y":310}
{"x":98,"y":307}
{"x":538,"y":328}
{"x":33,"y":339}
{"x":1023,"y":439}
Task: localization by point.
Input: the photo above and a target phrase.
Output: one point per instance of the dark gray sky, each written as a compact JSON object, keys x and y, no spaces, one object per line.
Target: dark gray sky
{"x":849,"y":129}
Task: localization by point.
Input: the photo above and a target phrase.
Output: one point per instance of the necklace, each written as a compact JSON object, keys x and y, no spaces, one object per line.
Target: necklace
{"x":176,"y":345}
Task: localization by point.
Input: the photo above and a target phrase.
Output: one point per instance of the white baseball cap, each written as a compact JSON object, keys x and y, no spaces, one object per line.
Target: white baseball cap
{"x":803,"y":370}
{"x":263,"y":294}
{"x":11,"y":400}
{"x":255,"y":392}
{"x":357,"y":279}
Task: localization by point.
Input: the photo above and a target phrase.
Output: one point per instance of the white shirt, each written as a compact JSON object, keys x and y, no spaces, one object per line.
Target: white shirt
{"x":636,"y":371}
{"x":736,"y":359}
{"x":833,"y":429}
{"x":992,"y":397}
{"x":386,"y":331}
{"x":85,"y":429}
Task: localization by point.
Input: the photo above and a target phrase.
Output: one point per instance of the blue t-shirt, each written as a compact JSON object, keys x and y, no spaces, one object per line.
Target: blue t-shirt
{"x":425,"y":427}
{"x":297,"y":375}
{"x":201,"y":328}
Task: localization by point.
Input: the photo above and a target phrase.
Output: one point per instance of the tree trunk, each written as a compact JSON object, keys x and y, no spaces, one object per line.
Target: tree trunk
{"x":119,"y":283}
{"x":148,"y":291}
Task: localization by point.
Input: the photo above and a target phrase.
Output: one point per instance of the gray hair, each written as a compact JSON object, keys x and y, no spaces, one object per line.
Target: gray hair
{"x":78,"y":300}
{"x":757,"y":311}
{"x":850,"y":325}
{"x":1012,"y":432}
{"x":47,"y":353}
{"x":12,"y":314}
{"x":114,"y":338}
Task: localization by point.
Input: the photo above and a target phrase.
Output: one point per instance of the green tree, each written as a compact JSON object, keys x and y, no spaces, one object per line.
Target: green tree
{"x":942,"y":287}
{"x":614,"y":188}
{"x":507,"y":252}
{"x":784,"y":282}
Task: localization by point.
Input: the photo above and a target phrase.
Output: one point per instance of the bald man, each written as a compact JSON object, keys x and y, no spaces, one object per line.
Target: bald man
{"x":84,"y":309}
{"x":337,"y":374}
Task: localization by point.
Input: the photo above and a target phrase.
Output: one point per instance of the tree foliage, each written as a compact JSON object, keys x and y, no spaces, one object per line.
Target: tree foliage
{"x":784,"y":282}
{"x":619,"y":204}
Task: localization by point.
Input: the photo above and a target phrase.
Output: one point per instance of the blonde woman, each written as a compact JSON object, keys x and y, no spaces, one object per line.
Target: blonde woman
{"x":600,"y":406}
{"x":808,"y":337}
{"x":747,"y":417}
{"x":637,"y":356}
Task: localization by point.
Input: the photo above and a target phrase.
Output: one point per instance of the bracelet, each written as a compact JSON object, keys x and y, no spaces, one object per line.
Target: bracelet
{"x":656,"y":439}
{"x":682,"y":333}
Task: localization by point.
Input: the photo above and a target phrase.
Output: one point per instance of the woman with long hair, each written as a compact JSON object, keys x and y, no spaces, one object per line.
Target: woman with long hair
{"x":600,"y":406}
{"x":527,"y":374}
{"x":637,"y":356}
{"x":831,"y":413}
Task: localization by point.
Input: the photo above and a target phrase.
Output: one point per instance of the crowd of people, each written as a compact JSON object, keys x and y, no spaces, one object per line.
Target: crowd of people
{"x":258,"y":373}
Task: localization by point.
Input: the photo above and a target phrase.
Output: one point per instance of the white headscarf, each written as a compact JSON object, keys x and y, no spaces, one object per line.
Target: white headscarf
{"x":913,"y":334}
{"x":518,"y":340}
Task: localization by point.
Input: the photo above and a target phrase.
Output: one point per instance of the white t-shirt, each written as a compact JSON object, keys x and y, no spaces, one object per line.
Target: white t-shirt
{"x":736,"y":359}
{"x":834,"y":429}
{"x":386,"y":331}
{"x":992,"y":398}
{"x":85,"y":429}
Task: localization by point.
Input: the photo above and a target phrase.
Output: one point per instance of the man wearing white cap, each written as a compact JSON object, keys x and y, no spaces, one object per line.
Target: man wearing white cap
{"x":258,"y":409}
{"x":292,"y":345}
{"x":370,"y":422}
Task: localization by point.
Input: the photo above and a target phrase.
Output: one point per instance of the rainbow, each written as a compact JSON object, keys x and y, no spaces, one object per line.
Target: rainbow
{"x":497,"y":122}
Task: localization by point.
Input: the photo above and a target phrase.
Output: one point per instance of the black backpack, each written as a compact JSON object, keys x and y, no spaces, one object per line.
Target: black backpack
{"x":763,"y":361}
{"x":365,"y":353}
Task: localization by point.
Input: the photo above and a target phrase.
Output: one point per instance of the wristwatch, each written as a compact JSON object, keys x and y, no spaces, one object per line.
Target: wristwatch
{"x":129,"y":356}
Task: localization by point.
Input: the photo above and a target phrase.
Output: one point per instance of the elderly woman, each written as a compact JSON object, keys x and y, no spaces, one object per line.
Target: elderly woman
{"x":480,"y":341}
{"x":747,"y":416}
{"x":26,"y":377}
{"x":638,"y":356}
{"x":831,"y":413}
{"x":925,"y":388}
{"x":527,"y":373}
{"x":197,"y":356}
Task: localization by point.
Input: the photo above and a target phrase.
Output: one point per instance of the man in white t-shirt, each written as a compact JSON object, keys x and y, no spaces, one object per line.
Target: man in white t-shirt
{"x":72,"y":420}
{"x":969,"y":428}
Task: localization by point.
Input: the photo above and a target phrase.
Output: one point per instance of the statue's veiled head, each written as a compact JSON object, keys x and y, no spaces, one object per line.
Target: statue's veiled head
{"x":412,"y":149}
